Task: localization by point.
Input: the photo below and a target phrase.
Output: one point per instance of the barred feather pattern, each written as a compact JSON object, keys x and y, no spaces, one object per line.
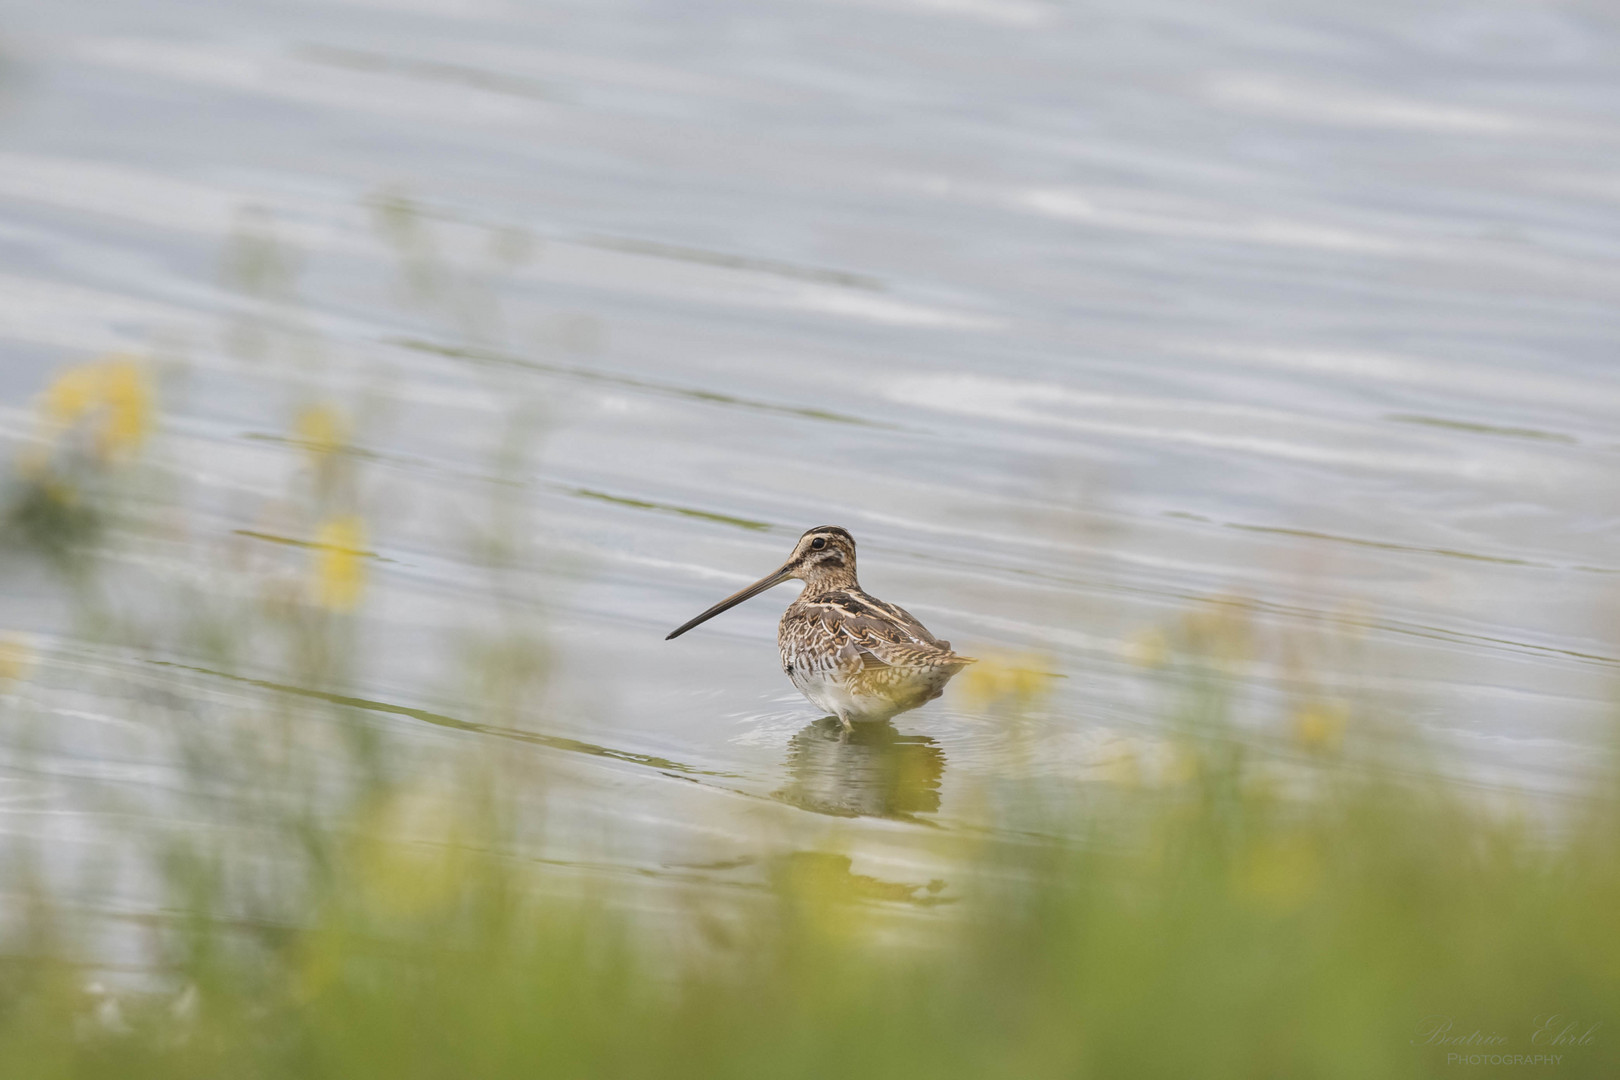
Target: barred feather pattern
{"x":861,"y":658}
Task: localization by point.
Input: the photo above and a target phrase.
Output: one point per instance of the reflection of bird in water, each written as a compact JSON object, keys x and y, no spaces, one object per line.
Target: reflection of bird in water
{"x":871,"y":770}
{"x":849,"y":653}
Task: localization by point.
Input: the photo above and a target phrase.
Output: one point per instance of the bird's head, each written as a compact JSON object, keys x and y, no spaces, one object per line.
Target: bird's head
{"x":824,"y":558}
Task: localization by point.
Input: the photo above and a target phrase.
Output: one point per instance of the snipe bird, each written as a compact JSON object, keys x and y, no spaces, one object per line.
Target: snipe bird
{"x":849,"y":653}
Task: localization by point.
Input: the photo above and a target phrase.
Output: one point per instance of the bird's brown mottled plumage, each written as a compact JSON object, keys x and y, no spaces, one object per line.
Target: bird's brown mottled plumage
{"x":849,"y":653}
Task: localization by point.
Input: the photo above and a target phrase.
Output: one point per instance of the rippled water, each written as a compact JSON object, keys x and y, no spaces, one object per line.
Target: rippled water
{"x":1075,"y":315}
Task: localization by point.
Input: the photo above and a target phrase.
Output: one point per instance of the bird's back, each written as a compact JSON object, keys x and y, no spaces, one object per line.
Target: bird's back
{"x":838,"y":627}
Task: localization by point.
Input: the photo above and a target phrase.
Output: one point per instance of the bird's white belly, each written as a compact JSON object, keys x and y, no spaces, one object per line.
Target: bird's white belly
{"x":904,"y":689}
{"x":830,"y":693}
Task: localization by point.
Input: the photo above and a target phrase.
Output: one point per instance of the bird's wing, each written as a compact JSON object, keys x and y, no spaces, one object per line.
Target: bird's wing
{"x":876,"y":634}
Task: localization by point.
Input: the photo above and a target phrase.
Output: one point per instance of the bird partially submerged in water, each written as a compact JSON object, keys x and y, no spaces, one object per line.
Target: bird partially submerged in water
{"x":850,"y":653}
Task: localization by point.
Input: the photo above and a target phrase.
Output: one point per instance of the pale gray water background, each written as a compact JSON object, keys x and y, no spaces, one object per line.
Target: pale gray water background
{"x":1075,"y":314}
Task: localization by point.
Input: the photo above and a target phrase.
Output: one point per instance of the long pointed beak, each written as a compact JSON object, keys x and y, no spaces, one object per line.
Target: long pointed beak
{"x":733,"y":600}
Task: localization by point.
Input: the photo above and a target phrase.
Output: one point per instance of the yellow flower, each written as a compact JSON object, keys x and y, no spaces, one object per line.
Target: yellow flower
{"x":128,"y":401}
{"x":75,"y":392}
{"x":114,"y":393}
{"x":1017,"y":680}
{"x":322,"y":430}
{"x":16,"y":657}
{"x":340,"y":569}
{"x":1319,"y":725}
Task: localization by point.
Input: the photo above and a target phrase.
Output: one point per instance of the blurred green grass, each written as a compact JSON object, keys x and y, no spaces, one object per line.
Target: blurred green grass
{"x":1216,"y":931}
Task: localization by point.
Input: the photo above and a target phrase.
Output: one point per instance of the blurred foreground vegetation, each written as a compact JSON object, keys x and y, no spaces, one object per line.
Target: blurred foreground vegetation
{"x":1217,"y":930}
{"x":360,"y":911}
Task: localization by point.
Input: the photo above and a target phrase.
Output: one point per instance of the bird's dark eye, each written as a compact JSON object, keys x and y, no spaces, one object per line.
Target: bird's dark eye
{"x":819,"y":542}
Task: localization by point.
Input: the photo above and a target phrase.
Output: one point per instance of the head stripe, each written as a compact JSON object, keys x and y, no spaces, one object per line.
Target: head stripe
{"x":833,"y":530}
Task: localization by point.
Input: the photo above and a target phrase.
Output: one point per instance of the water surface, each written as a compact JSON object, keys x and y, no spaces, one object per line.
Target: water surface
{"x":1078,"y":316}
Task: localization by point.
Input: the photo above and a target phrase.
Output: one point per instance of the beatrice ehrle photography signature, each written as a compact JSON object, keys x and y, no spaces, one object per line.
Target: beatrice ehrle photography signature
{"x":1546,"y":1042}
